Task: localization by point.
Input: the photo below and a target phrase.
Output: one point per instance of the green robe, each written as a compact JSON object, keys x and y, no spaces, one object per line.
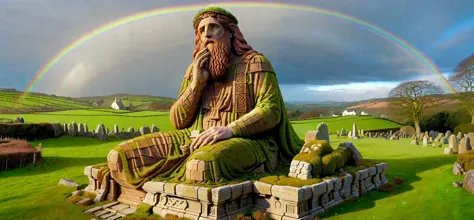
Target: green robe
{"x":251,"y":146}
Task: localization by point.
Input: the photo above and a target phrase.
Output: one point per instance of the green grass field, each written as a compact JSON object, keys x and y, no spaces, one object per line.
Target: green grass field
{"x":32,"y":193}
{"x":125,"y":119}
{"x":11,"y":101}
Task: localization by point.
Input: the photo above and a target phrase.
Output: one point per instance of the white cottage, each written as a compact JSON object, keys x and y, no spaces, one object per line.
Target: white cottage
{"x":347,"y":113}
{"x":118,"y":105}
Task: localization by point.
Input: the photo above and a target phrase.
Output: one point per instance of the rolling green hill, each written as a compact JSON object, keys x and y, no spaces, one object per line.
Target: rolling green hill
{"x":10,"y":103}
{"x":139,"y":102}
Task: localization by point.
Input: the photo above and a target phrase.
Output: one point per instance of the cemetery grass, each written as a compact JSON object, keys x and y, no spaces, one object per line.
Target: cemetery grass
{"x":125,"y":119}
{"x":32,"y":193}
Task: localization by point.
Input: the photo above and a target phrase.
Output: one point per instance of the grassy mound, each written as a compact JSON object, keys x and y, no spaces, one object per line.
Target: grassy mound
{"x":466,"y":160}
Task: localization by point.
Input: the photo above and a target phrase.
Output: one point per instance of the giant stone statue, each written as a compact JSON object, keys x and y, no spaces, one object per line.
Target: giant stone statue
{"x":230,"y":95}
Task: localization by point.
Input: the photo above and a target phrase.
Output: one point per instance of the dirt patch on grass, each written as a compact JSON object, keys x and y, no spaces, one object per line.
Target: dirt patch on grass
{"x":17,"y":153}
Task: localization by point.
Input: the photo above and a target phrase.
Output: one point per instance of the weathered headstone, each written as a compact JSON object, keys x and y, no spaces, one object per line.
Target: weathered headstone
{"x":471,"y":138}
{"x":72,"y":129}
{"x":116,"y":129}
{"x":459,"y":136}
{"x":101,"y":132}
{"x":343,"y":132}
{"x":448,"y":151}
{"x":65,"y":128}
{"x":355,"y":134}
{"x":86,"y":129}
{"x":323,"y":133}
{"x":349,"y":135}
{"x":464,"y":145}
{"x":448,"y":134}
{"x":131,"y":130}
{"x":81,"y":128}
{"x":144,"y":130}
{"x":453,"y":143}
{"x":425,"y":141}
{"x":154,"y":128}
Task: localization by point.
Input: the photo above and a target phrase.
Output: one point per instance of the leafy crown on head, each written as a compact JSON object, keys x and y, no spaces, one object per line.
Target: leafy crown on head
{"x":214,"y":9}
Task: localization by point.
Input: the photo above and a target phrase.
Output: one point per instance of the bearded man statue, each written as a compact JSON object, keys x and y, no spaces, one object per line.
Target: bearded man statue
{"x":229,"y":94}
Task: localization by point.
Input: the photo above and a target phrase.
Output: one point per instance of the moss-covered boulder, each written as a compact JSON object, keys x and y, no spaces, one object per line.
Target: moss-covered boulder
{"x":323,"y":159}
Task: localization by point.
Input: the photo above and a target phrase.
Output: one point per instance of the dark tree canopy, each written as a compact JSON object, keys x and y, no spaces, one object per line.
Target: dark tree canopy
{"x":411,"y":98}
{"x":462,"y":81}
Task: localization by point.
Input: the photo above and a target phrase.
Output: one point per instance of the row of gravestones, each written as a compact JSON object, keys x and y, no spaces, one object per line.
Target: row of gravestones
{"x":101,"y":132}
{"x":466,"y":143}
{"x":437,"y":140}
{"x":353,"y":134}
{"x":387,"y":135}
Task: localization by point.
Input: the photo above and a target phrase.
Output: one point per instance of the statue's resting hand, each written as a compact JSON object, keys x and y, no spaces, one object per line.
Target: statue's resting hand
{"x":211,"y":136}
{"x":199,"y":72}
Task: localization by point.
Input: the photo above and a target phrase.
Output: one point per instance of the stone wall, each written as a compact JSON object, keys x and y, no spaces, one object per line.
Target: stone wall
{"x":101,"y":132}
{"x":280,"y":202}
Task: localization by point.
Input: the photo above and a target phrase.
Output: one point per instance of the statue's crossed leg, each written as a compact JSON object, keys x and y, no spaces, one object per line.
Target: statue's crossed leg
{"x":159,"y":154}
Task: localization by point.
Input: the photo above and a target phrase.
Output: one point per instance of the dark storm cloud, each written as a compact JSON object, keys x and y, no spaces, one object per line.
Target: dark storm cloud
{"x":150,"y":56}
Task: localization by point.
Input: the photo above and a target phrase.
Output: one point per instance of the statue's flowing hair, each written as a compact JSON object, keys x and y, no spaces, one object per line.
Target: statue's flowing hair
{"x":239,"y":44}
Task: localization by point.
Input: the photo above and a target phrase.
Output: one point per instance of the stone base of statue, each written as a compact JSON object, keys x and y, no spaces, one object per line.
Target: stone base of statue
{"x":225,"y":202}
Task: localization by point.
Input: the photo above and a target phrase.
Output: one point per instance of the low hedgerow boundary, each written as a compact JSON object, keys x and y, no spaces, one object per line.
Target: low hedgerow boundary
{"x":27,"y":131}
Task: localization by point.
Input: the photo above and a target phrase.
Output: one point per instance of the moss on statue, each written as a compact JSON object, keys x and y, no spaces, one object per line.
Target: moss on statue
{"x":324,"y":160}
{"x":466,"y":160}
{"x":288,"y":181}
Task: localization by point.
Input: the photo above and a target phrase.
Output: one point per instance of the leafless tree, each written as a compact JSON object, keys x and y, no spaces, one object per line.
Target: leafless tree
{"x":411,"y":98}
{"x":462,"y":81}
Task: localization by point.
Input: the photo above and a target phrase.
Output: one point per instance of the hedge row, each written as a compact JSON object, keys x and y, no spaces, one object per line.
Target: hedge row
{"x":27,"y":131}
{"x":14,"y":160}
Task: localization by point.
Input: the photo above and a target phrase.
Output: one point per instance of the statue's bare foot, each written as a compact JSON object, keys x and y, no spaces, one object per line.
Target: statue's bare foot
{"x":198,"y":170}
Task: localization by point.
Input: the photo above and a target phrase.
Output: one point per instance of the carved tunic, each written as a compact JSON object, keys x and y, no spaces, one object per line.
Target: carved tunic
{"x":218,"y":98}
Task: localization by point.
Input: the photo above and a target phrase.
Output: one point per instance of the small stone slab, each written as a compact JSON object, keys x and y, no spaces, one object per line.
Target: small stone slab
{"x":221,"y":194}
{"x":114,"y":217}
{"x":120,"y":207}
{"x":101,"y":213}
{"x":85,"y":202}
{"x":110,"y":204}
{"x":128,"y":211}
{"x":154,"y":187}
{"x":262,"y":188}
{"x":187,"y":191}
{"x":107,"y":215}
{"x":288,"y":193}
{"x":92,"y":210}
{"x":69,"y":183}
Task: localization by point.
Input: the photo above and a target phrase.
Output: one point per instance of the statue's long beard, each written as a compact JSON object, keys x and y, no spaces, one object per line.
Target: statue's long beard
{"x":219,"y":60}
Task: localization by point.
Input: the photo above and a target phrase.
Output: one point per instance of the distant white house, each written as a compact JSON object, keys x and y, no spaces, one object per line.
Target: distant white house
{"x":347,"y":113}
{"x":364,"y":113}
{"x":118,"y":105}
{"x":333,"y":115}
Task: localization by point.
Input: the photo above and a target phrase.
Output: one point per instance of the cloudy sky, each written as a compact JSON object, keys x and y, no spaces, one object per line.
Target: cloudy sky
{"x":317,"y":57}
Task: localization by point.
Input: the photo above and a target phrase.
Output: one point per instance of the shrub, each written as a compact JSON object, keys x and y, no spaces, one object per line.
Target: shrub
{"x":464,"y":128}
{"x":408,"y":130}
{"x":260,"y":215}
{"x":388,"y":187}
{"x":30,"y":132}
{"x":466,"y":160}
{"x":398,"y":180}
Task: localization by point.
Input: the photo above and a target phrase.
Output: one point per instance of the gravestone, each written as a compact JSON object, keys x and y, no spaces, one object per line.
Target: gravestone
{"x":322,"y":132}
{"x":343,"y":132}
{"x":425,"y":141}
{"x":116,"y":129}
{"x":459,"y":136}
{"x":355,"y":134}
{"x":464,"y":145}
{"x":86,"y":129}
{"x":453,"y":144}
{"x":154,"y":128}
{"x":131,"y":130}
{"x":101,"y":132}
{"x":144,"y":130}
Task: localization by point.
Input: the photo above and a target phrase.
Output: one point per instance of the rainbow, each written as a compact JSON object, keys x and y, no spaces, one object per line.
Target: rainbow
{"x":187,"y":8}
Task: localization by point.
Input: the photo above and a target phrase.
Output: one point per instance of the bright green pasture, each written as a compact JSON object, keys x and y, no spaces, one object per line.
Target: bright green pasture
{"x":32,"y":101}
{"x":31,"y":192}
{"x":125,"y":119}
{"x":346,"y":122}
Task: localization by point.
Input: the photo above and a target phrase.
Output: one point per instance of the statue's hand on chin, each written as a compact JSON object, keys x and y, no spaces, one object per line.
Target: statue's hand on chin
{"x":200,"y":74}
{"x":211,"y":136}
